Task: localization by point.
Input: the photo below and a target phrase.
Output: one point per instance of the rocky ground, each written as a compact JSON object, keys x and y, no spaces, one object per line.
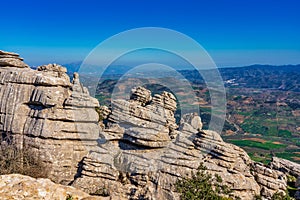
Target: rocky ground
{"x":132,"y":150}
{"x":15,"y":186}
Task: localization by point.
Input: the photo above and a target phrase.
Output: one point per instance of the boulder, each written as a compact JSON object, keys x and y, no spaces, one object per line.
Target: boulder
{"x":193,"y":119}
{"x":15,"y":186}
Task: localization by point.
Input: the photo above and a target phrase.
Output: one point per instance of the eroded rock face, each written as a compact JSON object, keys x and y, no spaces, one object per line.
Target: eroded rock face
{"x":285,"y":166}
{"x":140,"y":94}
{"x":137,"y":152}
{"x":146,"y":122}
{"x":289,"y":168}
{"x":8,"y":59}
{"x":15,"y":186}
{"x":42,"y":110}
{"x":269,"y":180}
{"x":143,"y":152}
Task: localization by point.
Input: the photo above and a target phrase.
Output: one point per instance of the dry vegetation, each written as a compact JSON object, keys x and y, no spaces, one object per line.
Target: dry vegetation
{"x":20,"y":161}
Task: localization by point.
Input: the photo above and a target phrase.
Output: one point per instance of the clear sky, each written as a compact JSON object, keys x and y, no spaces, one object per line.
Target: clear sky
{"x":234,"y":32}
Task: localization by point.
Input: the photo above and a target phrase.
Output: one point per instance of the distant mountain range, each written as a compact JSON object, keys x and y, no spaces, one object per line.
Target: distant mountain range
{"x":285,"y":77}
{"x":121,"y":69}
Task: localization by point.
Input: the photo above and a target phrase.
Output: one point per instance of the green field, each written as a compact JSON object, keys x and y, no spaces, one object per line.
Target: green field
{"x":264,"y":151}
{"x":261,"y":145}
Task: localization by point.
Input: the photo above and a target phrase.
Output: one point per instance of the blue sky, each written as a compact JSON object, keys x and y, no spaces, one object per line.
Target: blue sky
{"x":234,"y":33}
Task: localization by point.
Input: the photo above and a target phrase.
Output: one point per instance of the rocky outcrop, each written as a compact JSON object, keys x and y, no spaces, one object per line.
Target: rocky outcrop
{"x":285,"y":166}
{"x":8,"y":59}
{"x":147,"y":121}
{"x":42,"y":110}
{"x":15,"y":186}
{"x":270,"y":181}
{"x":142,"y":152}
{"x":289,"y":168}
{"x":141,"y":95}
{"x":132,"y":150}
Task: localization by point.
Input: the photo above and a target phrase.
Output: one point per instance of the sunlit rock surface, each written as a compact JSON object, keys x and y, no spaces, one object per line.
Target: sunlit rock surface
{"x":131,"y":150}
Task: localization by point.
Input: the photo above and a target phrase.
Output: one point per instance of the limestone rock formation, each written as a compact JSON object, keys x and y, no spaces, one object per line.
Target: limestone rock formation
{"x":131,"y":150}
{"x":143,"y":152}
{"x":285,"y":166}
{"x":42,"y":110}
{"x":289,"y":168}
{"x":140,"y":94}
{"x":147,"y":122}
{"x":15,"y":186}
{"x":8,"y":59}
{"x":269,"y":180}
{"x":193,"y":119}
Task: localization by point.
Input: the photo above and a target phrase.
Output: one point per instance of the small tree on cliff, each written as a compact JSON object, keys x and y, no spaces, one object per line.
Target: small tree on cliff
{"x":203,"y":186}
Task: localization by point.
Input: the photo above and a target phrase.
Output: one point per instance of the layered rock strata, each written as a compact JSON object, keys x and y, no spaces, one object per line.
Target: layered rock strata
{"x":132,"y":150}
{"x":288,"y":168}
{"x":142,"y":153}
{"x":43,"y":111}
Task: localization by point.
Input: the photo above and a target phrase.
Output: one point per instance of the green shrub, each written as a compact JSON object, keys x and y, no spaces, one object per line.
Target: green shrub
{"x":69,"y":197}
{"x":281,"y":196}
{"x":99,"y":111}
{"x":284,"y":133}
{"x":258,"y":197}
{"x":203,"y":186}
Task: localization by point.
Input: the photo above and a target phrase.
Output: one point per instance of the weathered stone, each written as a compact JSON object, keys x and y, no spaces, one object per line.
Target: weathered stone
{"x":289,"y":168}
{"x":39,"y":109}
{"x":12,"y":62}
{"x":15,"y":186}
{"x":10,"y":56}
{"x":146,"y":123}
{"x":141,"y":95}
{"x":138,"y":148}
{"x":193,"y":119}
{"x":104,"y":112}
{"x":8,"y":53}
{"x":53,"y":68}
{"x":8,"y":59}
{"x":138,"y":151}
{"x":285,"y":166}
{"x":271,"y":181}
{"x":166,"y":100}
{"x":149,"y":162}
{"x":147,"y":137}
